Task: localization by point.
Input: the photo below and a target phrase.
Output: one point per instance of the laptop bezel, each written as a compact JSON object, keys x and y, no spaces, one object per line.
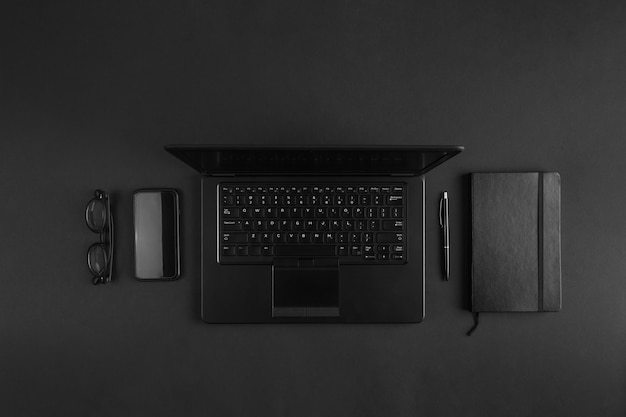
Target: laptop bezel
{"x":185,"y":152}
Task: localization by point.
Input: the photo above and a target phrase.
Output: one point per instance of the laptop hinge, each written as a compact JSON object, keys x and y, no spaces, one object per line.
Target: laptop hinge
{"x":404,"y":174}
{"x":218,"y":174}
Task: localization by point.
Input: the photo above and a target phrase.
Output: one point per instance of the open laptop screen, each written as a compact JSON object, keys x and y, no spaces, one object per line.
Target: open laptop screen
{"x":211,"y":160}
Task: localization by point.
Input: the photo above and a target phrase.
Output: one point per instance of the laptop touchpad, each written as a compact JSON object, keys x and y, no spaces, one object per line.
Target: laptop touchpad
{"x":305,"y":288}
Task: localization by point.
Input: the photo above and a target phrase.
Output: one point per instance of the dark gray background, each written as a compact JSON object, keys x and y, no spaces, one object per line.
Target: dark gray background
{"x":91,"y":91}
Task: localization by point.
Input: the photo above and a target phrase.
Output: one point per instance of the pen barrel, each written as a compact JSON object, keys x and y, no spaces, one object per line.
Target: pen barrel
{"x":445,"y":233}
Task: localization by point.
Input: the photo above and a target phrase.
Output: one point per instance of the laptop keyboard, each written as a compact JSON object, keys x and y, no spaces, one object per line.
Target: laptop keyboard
{"x":359,"y":223}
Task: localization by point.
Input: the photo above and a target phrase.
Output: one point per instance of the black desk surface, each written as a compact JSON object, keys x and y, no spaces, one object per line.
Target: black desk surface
{"x":91,"y":91}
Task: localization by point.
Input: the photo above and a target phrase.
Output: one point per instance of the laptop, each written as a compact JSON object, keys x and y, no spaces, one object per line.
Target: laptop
{"x":314,"y":233}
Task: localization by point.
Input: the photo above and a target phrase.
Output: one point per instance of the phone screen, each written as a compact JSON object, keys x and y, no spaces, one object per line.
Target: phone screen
{"x":156,"y":234}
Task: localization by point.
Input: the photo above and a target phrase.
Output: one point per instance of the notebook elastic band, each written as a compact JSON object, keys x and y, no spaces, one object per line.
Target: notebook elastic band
{"x":540,"y":244}
{"x":475,"y":314}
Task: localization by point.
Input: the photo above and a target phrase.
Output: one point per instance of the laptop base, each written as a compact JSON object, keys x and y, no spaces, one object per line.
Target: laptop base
{"x":259,"y":293}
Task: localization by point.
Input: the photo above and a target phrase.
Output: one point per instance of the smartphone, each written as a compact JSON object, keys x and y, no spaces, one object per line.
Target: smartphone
{"x":156,"y":215}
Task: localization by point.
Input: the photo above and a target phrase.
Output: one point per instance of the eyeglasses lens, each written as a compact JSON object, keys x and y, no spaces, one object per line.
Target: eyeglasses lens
{"x":98,"y":259}
{"x":96,"y":215}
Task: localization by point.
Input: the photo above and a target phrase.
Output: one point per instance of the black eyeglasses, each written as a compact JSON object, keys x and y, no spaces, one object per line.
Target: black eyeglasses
{"x":100,"y":220}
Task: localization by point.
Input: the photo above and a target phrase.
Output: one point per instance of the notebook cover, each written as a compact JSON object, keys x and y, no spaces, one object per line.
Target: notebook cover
{"x":516,"y":242}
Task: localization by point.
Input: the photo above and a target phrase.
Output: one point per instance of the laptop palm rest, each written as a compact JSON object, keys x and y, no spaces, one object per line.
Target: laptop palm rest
{"x":305,"y":287}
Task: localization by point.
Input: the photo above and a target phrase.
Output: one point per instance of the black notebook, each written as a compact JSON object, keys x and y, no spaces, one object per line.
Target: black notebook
{"x":516,"y":242}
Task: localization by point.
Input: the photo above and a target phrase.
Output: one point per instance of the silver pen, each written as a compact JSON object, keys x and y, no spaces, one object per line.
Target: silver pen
{"x":445,"y":233}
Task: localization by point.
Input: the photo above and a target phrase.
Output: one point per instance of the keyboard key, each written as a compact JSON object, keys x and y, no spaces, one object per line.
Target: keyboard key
{"x":397,"y":248}
{"x":295,"y":212}
{"x":231,"y":225}
{"x":235,"y":237}
{"x":393,"y":225}
{"x":305,"y":250}
{"x":245,"y":212}
{"x":229,"y":250}
{"x":230,"y":212}
{"x":389,"y":237}
{"x":395,"y":200}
